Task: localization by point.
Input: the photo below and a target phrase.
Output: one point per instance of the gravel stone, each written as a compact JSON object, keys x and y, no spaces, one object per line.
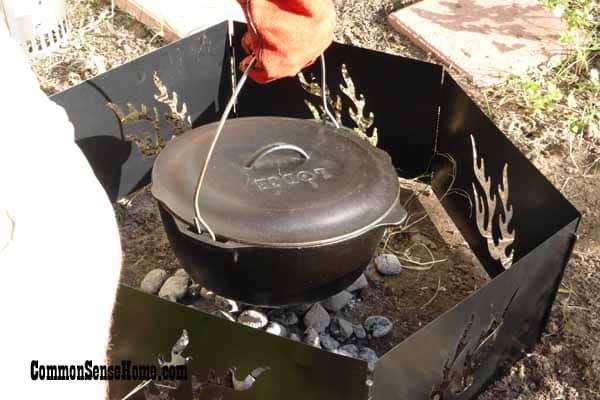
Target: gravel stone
{"x":317,"y":318}
{"x":227,"y":304}
{"x":358,"y":284}
{"x":336,"y":302}
{"x":284,"y":317}
{"x":182,"y":272}
{"x":327,"y":342}
{"x":276,"y":329}
{"x":153,"y":281}
{"x":369,"y":356}
{"x":175,"y":288}
{"x":388,"y":264}
{"x":359,"y":331}
{"x":253,"y":319}
{"x":372,"y":274}
{"x":378,"y":326}
{"x":311,"y":337}
{"x":349,"y":350}
{"x":294,"y":337}
{"x":341,"y":329}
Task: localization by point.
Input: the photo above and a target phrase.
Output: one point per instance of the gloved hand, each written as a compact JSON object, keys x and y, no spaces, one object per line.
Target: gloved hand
{"x":291,"y":35}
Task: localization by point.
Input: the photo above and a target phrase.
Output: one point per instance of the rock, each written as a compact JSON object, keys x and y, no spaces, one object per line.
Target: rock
{"x":284,"y":317}
{"x":317,"y":318}
{"x":358,"y":284}
{"x":227,"y":304}
{"x":336,"y":302}
{"x":327,"y":342}
{"x":359,"y":331}
{"x":388,"y":264}
{"x":276,"y":329}
{"x":372,"y":274}
{"x":378,"y":326}
{"x":341,"y":329}
{"x":294,"y":337}
{"x":182,"y":272}
{"x":253,"y":319}
{"x":153,"y":281}
{"x":369,"y":356}
{"x":349,"y":350}
{"x":311,"y":337}
{"x":175,"y":288}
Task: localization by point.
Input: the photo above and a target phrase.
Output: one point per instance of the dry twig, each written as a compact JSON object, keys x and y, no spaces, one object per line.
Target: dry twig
{"x":437,"y":290}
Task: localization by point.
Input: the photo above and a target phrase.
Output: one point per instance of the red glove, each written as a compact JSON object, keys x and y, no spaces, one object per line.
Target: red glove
{"x":291,"y":35}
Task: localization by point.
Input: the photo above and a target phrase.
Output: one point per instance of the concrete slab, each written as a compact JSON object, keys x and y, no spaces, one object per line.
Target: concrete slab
{"x":485,"y":39}
{"x":180,"y":18}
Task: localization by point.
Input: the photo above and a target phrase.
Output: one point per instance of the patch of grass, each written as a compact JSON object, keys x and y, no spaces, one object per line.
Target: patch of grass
{"x":569,"y":93}
{"x":582,"y":18}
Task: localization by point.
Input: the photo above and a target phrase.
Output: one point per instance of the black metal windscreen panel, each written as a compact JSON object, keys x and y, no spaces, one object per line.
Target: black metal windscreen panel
{"x":146,"y":326}
{"x":519,"y":226}
{"x":394,"y":98}
{"x":191,"y":68}
{"x":522,"y":230}
{"x":455,"y":356}
{"x":526,"y":209}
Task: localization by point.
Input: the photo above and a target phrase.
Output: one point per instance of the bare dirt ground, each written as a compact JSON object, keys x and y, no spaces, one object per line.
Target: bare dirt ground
{"x":566,"y":364}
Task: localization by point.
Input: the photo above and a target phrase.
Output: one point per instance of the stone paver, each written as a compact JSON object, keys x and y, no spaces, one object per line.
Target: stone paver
{"x":485,"y":39}
{"x":180,"y":18}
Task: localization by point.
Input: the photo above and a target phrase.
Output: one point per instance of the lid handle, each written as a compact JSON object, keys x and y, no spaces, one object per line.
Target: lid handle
{"x":271,"y":148}
{"x":200,"y":223}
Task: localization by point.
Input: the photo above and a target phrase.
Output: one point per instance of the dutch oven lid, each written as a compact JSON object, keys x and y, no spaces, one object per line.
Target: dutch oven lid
{"x":277,"y":181}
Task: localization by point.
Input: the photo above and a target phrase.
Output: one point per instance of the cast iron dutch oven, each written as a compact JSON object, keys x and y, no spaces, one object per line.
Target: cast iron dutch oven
{"x":297,"y":207}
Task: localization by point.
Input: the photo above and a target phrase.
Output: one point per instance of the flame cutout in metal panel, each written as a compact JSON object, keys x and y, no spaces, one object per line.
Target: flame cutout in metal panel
{"x":458,"y":374}
{"x":356,"y":111}
{"x":486,"y":204}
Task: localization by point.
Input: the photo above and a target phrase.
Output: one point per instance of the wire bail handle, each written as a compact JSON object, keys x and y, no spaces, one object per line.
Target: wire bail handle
{"x":200,"y":223}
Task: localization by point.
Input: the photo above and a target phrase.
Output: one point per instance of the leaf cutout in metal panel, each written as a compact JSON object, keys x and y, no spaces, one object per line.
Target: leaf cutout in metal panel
{"x":229,"y":382}
{"x":178,"y":118}
{"x":176,"y":352}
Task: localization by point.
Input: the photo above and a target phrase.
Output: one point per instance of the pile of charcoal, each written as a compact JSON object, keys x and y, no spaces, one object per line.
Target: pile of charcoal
{"x":324,"y":324}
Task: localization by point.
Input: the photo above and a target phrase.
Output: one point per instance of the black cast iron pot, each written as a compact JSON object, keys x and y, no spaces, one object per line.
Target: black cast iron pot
{"x":297,"y":208}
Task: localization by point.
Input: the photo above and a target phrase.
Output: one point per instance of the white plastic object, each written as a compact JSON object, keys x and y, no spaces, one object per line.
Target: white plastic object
{"x":39,"y":26}
{"x":3,"y":21}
